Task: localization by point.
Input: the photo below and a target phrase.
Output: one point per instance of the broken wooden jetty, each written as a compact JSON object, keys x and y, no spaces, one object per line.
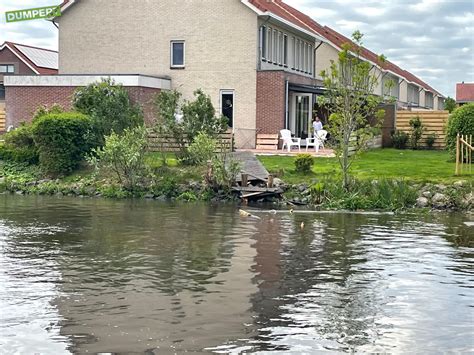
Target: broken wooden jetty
{"x":254,"y":181}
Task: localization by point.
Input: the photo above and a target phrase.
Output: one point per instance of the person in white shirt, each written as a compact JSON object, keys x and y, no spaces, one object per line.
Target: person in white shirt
{"x":317,"y":124}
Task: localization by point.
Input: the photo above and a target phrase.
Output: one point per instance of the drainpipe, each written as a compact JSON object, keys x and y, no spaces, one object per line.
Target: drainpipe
{"x":315,"y":49}
{"x":287,"y":84}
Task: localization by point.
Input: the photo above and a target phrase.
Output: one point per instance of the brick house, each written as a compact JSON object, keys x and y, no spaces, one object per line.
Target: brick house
{"x":257,"y":59}
{"x":464,"y":93}
{"x":20,"y":59}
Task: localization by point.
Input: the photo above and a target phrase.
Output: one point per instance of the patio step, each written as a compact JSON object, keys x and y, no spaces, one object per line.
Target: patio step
{"x":267,"y":141}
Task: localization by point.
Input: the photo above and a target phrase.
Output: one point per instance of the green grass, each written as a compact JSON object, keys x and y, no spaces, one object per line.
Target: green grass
{"x":415,"y":165}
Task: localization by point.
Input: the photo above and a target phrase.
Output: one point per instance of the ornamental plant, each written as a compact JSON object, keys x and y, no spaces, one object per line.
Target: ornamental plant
{"x":461,"y":121}
{"x":350,"y":97}
{"x":62,"y":140}
{"x":417,"y":129}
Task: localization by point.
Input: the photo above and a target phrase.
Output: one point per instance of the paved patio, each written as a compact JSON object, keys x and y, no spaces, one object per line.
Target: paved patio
{"x":323,"y":153}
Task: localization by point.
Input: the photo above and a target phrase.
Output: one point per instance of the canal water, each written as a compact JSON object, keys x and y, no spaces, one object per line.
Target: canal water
{"x":94,"y":275}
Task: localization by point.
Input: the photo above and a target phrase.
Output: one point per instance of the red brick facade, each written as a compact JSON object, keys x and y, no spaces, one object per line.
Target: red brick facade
{"x":271,"y":93}
{"x":22,"y":101}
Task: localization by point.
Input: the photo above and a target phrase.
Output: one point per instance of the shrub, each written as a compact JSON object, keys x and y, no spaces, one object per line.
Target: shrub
{"x":225,"y":170}
{"x":62,"y":140}
{"x":202,"y":149}
{"x":400,"y":139}
{"x":461,"y":121}
{"x":417,"y":129}
{"x":19,"y":146}
{"x":124,"y":156}
{"x":198,"y":116}
{"x":304,"y":163}
{"x":109,"y":107}
{"x":430,"y":140}
{"x":44,"y":110}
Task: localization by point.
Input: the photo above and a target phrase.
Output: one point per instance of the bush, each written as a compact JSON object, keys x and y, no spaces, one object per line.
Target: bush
{"x":400,"y":139}
{"x":44,"y":110}
{"x":461,"y":121}
{"x":304,"y":163}
{"x":225,"y":170}
{"x":109,"y":107}
{"x":62,"y":140}
{"x":417,"y":129}
{"x":202,"y":149}
{"x":430,"y":140}
{"x":19,"y":146}
{"x":198,"y":116}
{"x":124,"y":156}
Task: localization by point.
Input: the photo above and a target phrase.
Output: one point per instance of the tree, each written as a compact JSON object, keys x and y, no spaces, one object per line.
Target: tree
{"x":350,"y":98}
{"x":449,"y":104}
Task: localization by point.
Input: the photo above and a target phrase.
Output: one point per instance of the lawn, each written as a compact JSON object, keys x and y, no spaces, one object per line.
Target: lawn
{"x":416,"y":165}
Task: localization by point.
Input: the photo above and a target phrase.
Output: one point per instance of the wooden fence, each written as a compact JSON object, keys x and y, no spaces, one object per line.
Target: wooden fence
{"x":434,"y":122}
{"x":2,"y":119}
{"x":463,"y":153}
{"x":158,"y":143}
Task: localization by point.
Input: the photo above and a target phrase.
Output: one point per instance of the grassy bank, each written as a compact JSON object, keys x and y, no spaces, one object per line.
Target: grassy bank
{"x":411,"y":165}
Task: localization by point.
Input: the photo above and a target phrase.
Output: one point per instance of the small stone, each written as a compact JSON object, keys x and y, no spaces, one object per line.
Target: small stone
{"x":302,"y":187}
{"x":427,"y":194}
{"x":277,"y":182}
{"x":149,"y":196}
{"x":441,"y":187}
{"x":161,"y":198}
{"x":460,"y":183}
{"x":19,"y":192}
{"x":2,"y":180}
{"x":59,"y":194}
{"x":438,"y":197}
{"x":422,"y":202}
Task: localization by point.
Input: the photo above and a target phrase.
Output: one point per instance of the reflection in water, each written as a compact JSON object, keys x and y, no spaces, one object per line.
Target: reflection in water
{"x":135,"y":276}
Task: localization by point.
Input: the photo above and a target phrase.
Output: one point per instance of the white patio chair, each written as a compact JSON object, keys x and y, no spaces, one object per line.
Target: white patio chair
{"x":317,"y":141}
{"x":289,"y":141}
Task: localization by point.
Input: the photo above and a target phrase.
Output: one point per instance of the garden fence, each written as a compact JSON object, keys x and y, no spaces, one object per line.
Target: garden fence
{"x":463,"y":153}
{"x":2,"y":119}
{"x":434,"y":122}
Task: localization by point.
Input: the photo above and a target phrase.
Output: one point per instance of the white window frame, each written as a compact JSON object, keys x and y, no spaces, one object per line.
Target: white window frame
{"x":275,"y":47}
{"x":263,"y":42}
{"x":7,"y":66}
{"x":177,"y":66}
{"x":269,"y":44}
{"x":227,"y":92}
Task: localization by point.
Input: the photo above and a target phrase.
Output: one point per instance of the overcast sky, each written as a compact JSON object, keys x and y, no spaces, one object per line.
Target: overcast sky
{"x":434,"y":39}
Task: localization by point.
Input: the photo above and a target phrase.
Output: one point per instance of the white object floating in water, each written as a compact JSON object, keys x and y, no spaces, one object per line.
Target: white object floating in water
{"x":469,"y":224}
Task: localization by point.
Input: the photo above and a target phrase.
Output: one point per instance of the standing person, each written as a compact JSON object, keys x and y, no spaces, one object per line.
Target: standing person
{"x":317,"y":125}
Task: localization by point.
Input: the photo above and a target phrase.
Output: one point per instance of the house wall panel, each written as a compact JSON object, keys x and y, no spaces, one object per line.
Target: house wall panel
{"x":133,"y":37}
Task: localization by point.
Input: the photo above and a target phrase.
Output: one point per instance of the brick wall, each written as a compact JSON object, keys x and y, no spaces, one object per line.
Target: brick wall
{"x":22,"y":101}
{"x":271,"y":98}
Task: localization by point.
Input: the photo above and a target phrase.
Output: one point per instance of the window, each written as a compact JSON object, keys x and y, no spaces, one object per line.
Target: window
{"x":263,"y":41}
{"x":391,"y":87}
{"x":310,"y":53}
{"x":285,"y":50}
{"x":7,"y":69}
{"x":275,"y":46}
{"x":440,"y":103}
{"x":280,"y":47}
{"x":227,"y":106}
{"x":297,"y":54}
{"x":301,"y":67}
{"x":429,"y":100}
{"x":269,"y":44}
{"x":177,"y":54}
{"x":413,"y":94}
{"x":2,"y":92}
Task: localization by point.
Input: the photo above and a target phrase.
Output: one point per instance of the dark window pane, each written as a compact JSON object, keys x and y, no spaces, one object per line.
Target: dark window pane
{"x":228,"y":107}
{"x":285,"y":50}
{"x":2,"y":92}
{"x":178,"y":54}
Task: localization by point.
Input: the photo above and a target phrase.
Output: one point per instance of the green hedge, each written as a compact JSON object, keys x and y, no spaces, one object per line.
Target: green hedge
{"x":461,"y":121}
{"x":19,"y":146}
{"x":62,"y":140}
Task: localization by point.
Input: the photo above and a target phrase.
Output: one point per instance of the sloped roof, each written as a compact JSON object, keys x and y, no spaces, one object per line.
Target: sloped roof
{"x":297,"y":18}
{"x":465,"y":92}
{"x":40,"y":60}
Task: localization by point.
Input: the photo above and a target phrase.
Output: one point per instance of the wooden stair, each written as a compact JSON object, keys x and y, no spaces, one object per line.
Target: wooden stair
{"x":267,"y":141}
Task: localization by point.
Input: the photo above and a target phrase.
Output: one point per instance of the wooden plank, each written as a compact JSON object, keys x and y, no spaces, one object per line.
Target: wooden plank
{"x":267,"y":147}
{"x":272,"y":136}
